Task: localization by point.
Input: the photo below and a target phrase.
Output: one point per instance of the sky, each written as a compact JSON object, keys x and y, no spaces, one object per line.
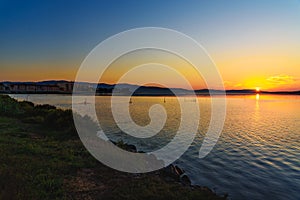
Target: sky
{"x":254,"y":43}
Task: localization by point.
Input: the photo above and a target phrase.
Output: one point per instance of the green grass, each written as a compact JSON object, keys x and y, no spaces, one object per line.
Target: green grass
{"x":34,"y":166}
{"x":43,"y":158}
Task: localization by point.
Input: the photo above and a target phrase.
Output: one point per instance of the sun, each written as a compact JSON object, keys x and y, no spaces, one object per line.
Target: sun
{"x":257,"y":89}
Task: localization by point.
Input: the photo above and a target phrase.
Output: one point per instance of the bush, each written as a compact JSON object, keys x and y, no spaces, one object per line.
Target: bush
{"x":8,"y":106}
{"x":34,"y":120}
{"x":45,"y":107}
{"x":49,"y":116}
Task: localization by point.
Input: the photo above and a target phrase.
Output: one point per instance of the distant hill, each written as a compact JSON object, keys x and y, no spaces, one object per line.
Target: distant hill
{"x":283,"y":92}
{"x":128,"y":89}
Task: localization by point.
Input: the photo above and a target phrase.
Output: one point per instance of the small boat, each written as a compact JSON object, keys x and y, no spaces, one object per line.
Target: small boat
{"x":85,"y":102}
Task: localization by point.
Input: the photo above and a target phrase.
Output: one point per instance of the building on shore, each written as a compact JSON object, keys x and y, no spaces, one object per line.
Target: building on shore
{"x":39,"y":87}
{"x":66,"y":86}
{"x":4,"y":88}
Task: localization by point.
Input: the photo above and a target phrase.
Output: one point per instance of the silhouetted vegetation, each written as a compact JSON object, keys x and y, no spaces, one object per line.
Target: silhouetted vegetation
{"x":48,"y":116}
{"x":42,"y":158}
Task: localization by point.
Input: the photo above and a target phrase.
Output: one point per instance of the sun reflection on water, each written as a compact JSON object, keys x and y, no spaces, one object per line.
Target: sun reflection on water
{"x":257,"y":97}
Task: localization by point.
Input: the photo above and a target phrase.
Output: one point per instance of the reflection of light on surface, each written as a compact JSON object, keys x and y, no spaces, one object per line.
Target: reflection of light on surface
{"x":257,"y":97}
{"x":257,"y":116}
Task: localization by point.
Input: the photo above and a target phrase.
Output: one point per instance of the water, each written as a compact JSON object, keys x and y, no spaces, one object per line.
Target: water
{"x":256,"y":157}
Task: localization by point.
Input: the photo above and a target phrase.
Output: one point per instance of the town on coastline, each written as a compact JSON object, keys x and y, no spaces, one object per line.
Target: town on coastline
{"x":66,"y":87}
{"x":60,"y":87}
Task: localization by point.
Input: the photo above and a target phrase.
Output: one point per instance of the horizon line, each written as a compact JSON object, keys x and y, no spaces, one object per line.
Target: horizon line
{"x":156,"y":86}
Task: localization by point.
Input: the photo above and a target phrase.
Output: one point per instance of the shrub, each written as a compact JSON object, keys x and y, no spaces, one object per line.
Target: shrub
{"x":33,"y":120}
{"x":8,"y":106}
{"x":57,"y":120}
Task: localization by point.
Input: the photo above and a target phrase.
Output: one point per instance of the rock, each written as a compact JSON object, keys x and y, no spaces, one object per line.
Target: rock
{"x":185,"y":180}
{"x":173,"y":169}
{"x":178,"y":170}
{"x":131,"y":148}
{"x":174,"y":172}
{"x":225,"y":195}
{"x":115,"y":143}
{"x":125,"y":146}
{"x":170,"y":172}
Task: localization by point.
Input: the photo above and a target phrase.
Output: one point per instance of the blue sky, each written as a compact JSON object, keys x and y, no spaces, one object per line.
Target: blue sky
{"x":71,"y":28}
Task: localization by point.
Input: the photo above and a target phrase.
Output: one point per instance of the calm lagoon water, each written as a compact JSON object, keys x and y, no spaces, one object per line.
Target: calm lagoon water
{"x":257,"y":155}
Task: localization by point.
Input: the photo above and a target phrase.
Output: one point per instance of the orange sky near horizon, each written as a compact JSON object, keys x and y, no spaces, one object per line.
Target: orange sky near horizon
{"x":266,"y":72}
{"x":269,"y":72}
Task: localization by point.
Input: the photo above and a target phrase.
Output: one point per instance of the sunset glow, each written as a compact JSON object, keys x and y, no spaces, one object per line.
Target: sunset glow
{"x":253,"y":44}
{"x":150,"y":99}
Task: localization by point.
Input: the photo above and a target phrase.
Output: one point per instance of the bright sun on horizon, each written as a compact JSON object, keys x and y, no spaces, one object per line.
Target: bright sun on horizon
{"x":257,"y":89}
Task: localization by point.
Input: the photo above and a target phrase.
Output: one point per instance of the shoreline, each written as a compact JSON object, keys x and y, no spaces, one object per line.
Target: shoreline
{"x":49,"y":132}
{"x":171,"y":171}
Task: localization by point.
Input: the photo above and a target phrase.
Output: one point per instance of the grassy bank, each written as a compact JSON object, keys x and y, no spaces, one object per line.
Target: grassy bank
{"x":43,"y":158}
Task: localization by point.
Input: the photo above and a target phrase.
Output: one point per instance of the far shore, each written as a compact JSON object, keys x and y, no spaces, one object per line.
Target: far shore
{"x":121,"y":89}
{"x":154,"y":95}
